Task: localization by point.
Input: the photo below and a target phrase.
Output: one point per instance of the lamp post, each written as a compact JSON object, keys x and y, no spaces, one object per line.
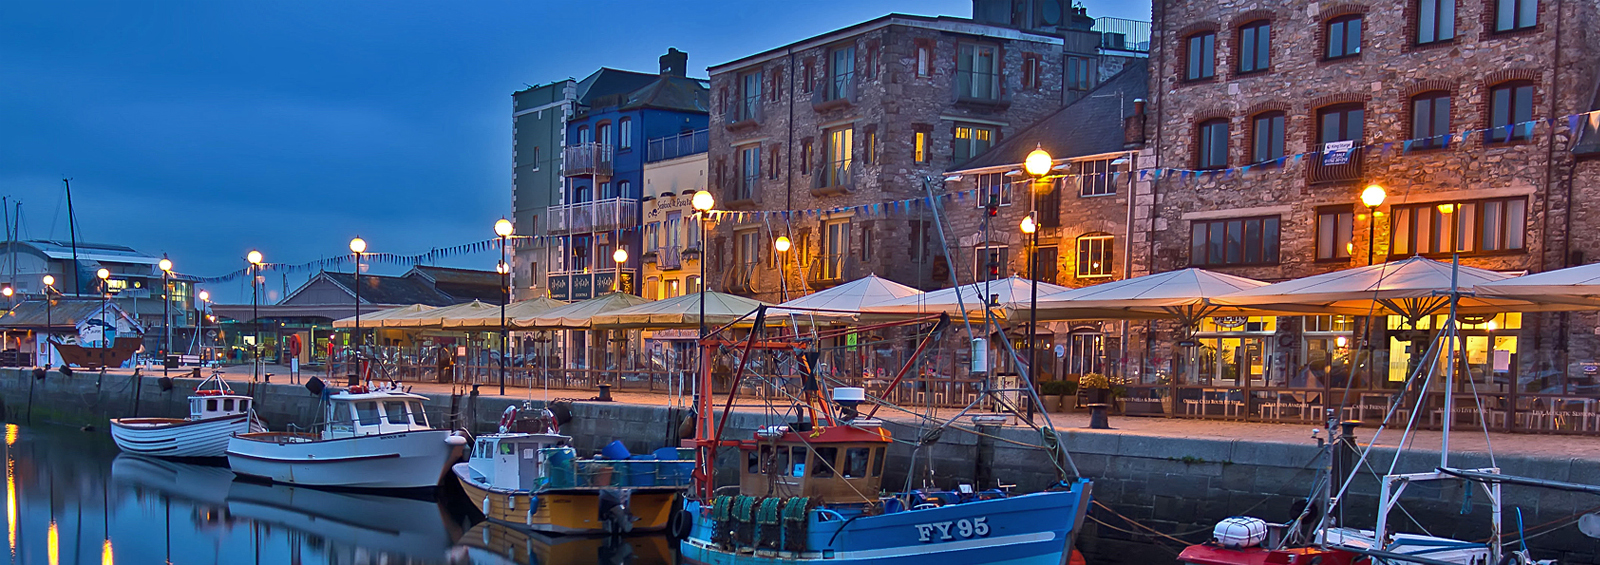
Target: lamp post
{"x":200,"y":325}
{"x":166,"y":311}
{"x":702,"y":202}
{"x":619,"y":257}
{"x":105,"y":296}
{"x":783,"y":245}
{"x":357,"y":247}
{"x":254,"y":257}
{"x":1371,"y":197}
{"x":1037,"y":164}
{"x":503,"y":229}
{"x":49,"y":326}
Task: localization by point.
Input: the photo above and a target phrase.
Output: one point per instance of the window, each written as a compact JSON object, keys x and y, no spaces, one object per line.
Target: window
{"x":855,"y":462}
{"x":994,"y":187}
{"x":652,"y":236}
{"x":924,"y":61}
{"x":674,"y":230}
{"x":750,"y":95}
{"x":418,"y":415}
{"x":1048,"y":271}
{"x":988,"y":263}
{"x":1095,"y":178}
{"x":1077,"y":73}
{"x":1085,"y":350}
{"x":1430,"y":120}
{"x":1344,"y":36}
{"x":1436,"y":21}
{"x":869,"y":153}
{"x":835,"y":247}
{"x":1335,"y":229}
{"x":870,"y":70}
{"x":840,"y":152}
{"x":1480,"y":226}
{"x":772,"y":162}
{"x":1255,"y":46}
{"x":605,"y":191}
{"x":877,"y":461}
{"x":826,"y":458}
{"x":691,"y":284}
{"x":652,"y":288}
{"x":1047,"y":203}
{"x":583,"y":134}
{"x":1030,"y":71}
{"x":1212,"y":147}
{"x":805,"y":156}
{"x":1094,"y":255}
{"x":395,"y":412}
{"x":1512,"y":15}
{"x":673,"y":288}
{"x":1340,"y":123}
{"x":1234,"y":241}
{"x":625,"y":133}
{"x":1266,"y":137}
{"x":842,"y":71}
{"x":919,"y":147}
{"x":602,"y":134}
{"x":978,"y":72}
{"x":747,"y":248}
{"x":749,"y":172}
{"x":1510,"y":111}
{"x":624,"y":189}
{"x":227,"y":404}
{"x":777,"y":85}
{"x":971,"y":141}
{"x":1202,"y":56}
{"x":922,"y":238}
{"x":867,"y":244}
{"x":806,"y":75}
{"x":367,"y":412}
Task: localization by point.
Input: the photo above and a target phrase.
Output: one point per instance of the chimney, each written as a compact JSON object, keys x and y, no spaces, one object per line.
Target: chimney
{"x":675,"y":63}
{"x":1133,"y":127}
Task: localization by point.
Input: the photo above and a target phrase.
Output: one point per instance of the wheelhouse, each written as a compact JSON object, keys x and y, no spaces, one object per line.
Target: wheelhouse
{"x":204,"y":406}
{"x":513,"y":461}
{"x":840,"y":464}
{"x":352,"y":415}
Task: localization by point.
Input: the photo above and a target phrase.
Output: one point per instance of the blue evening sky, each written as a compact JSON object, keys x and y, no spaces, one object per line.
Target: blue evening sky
{"x":204,"y":129}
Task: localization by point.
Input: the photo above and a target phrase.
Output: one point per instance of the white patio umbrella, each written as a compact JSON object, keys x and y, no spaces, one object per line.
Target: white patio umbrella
{"x":852,"y":296}
{"x":378,"y":318}
{"x":1413,"y":288}
{"x":1184,"y":294}
{"x":489,"y":320}
{"x":576,"y":316}
{"x":681,"y":312}
{"x":1576,"y":286}
{"x":435,"y":318}
{"x":971,"y":296}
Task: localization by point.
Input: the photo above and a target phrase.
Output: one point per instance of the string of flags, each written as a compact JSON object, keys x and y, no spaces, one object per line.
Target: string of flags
{"x":1339,"y":155}
{"x":344,"y":261}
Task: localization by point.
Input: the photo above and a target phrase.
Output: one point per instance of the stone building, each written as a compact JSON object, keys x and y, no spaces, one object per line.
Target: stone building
{"x":674,"y":171}
{"x":1268,"y":121}
{"x":870,"y":113}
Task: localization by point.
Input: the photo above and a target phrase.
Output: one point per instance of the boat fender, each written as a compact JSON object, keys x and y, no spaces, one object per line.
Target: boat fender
{"x":455,"y":440}
{"x":680,"y":524}
{"x":508,"y":418}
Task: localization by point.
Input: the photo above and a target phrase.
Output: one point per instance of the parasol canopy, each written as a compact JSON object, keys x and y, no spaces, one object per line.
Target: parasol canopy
{"x":1184,"y":294}
{"x":576,"y":315}
{"x":683,"y":311}
{"x":852,"y":296}
{"x":514,"y":310}
{"x":1413,"y":288}
{"x":435,"y":318}
{"x":377,"y":318}
{"x":1577,"y":286}
{"x":1012,"y":290}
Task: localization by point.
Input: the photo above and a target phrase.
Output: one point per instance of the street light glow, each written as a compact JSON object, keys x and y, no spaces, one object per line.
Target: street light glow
{"x":49,"y":280}
{"x":782,"y":244}
{"x":205,"y":296}
{"x":1038,"y":162}
{"x":254,"y":257}
{"x":502,"y":228}
{"x":1028,"y":225}
{"x":165,"y":264}
{"x":703,"y":200}
{"x":620,"y":256}
{"x":1373,"y":196}
{"x":358,"y":245}
{"x":103,"y":274}
{"x":7,"y":291}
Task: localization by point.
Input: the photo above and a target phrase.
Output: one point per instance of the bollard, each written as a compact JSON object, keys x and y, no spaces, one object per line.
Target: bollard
{"x":1097,"y":417}
{"x":605,"y":393}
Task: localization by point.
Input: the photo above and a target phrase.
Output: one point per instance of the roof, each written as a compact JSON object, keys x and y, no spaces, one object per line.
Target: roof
{"x":89,"y":251}
{"x":608,"y":81}
{"x":941,"y":23}
{"x":670,"y":92}
{"x":1090,"y":126}
{"x":448,"y":275}
{"x":379,"y":289}
{"x":62,"y":315}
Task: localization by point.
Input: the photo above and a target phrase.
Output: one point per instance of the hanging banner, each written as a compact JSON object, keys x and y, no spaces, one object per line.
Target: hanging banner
{"x":1337,"y":153}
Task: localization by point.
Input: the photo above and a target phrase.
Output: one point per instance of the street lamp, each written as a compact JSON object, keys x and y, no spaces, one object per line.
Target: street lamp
{"x":166,"y":311}
{"x":49,"y":327}
{"x":105,"y":295}
{"x":783,"y":245}
{"x":254,"y":257}
{"x":357,"y":247}
{"x":503,"y":229}
{"x":1037,"y":165}
{"x":1372,"y":197}
{"x":619,"y":256}
{"x":702,"y":202}
{"x":200,"y":324}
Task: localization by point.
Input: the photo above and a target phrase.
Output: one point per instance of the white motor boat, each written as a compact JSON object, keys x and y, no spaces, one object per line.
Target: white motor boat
{"x":369,"y":439}
{"x":215,"y":415}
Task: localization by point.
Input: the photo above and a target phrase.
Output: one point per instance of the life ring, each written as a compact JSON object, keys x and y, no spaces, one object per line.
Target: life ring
{"x":508,"y":418}
{"x":294,"y":345}
{"x":553,"y":426}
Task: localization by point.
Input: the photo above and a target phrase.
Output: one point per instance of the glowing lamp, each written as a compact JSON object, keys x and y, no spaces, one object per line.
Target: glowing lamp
{"x":1038,"y":162}
{"x":502,"y":228}
{"x":782,"y":244}
{"x":1373,"y":196}
{"x":358,"y":245}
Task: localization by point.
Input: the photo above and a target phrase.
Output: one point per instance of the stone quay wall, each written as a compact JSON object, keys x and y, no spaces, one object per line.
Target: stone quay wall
{"x":1176,"y":486}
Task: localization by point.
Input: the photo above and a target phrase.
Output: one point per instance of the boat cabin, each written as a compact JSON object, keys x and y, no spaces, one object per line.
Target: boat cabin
{"x":839,"y":464}
{"x":513,"y":461}
{"x":207,"y":404}
{"x":354,"y":414}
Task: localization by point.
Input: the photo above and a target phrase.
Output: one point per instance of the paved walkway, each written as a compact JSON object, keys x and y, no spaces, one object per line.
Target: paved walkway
{"x":1462,"y":441}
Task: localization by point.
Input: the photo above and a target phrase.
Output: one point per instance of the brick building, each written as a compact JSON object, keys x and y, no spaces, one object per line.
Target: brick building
{"x":871,"y":113}
{"x":1268,"y":121}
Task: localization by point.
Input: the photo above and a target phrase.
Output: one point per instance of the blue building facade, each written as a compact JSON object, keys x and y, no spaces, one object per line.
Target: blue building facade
{"x":603,"y":171}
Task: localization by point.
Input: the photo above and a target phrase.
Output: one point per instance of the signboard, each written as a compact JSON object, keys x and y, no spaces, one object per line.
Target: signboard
{"x":1061,"y":351}
{"x":560,"y":287}
{"x":1337,"y":153}
{"x":603,"y":282}
{"x":582,"y":287}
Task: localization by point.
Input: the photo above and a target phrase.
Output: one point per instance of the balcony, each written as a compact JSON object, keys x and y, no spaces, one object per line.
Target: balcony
{"x":836,"y":177}
{"x":827,"y":270}
{"x":587,"y":159}
{"x":1334,"y":166}
{"x":1117,"y":34}
{"x":598,"y":216}
{"x":837,"y":92}
{"x":742,"y":114}
{"x":673,"y":147}
{"x":669,"y":258}
{"x":743,"y":278}
{"x":981,"y":91}
{"x":745,"y":190}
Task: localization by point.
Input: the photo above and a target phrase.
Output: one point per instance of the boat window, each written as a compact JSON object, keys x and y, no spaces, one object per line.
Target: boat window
{"x":227,"y":404}
{"x":244,"y":405}
{"x":855,"y":462}
{"x":827,"y":457}
{"x":418,"y":416}
{"x":877,"y":462}
{"x":367,"y":412}
{"x":211,"y":405}
{"x":753,"y":459}
{"x":396,"y":411}
{"x":782,"y":463}
{"x":194,"y":406}
{"x":507,"y":448}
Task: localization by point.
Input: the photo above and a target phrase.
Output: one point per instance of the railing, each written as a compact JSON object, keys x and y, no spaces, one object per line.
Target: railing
{"x":742,"y":280}
{"x":983,"y":88}
{"x":838,"y":90}
{"x":743,"y":112}
{"x":673,"y":147}
{"x":669,"y":258}
{"x":836,"y":176}
{"x":585,"y":159}
{"x":597,"y":216}
{"x":1123,"y":35}
{"x":567,"y":471}
{"x":1346,"y":166}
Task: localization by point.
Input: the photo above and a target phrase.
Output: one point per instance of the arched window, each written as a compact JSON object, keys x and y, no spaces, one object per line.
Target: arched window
{"x":1266,"y":137}
{"x":1430,"y":120}
{"x":1201,"y":62}
{"x":602,"y":133}
{"x":625,"y":133}
{"x":1510,"y":111}
{"x":1211,"y":149}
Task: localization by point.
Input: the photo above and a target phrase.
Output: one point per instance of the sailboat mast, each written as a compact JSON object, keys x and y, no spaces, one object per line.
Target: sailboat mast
{"x":1450,"y":367}
{"x":72,"y":232}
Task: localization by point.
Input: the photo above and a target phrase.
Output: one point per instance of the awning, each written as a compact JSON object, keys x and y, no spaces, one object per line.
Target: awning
{"x":377,"y":316}
{"x":1576,"y":286}
{"x":576,"y":316}
{"x":972,"y":297}
{"x":1413,"y":288}
{"x":477,"y":320}
{"x":1185,"y":294}
{"x":683,"y":311}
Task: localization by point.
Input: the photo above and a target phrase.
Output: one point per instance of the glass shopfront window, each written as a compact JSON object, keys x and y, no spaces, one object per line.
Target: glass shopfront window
{"x":1231,"y":350}
{"x":1489,"y":366}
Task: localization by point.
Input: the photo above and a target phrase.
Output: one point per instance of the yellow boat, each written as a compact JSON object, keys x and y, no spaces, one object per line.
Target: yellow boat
{"x":534,"y":481}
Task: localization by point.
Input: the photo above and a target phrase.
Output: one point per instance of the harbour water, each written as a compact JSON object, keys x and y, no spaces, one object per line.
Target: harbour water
{"x":71,"y":498}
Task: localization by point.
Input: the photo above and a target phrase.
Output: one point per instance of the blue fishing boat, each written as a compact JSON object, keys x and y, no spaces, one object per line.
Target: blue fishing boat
{"x":811,"y":491}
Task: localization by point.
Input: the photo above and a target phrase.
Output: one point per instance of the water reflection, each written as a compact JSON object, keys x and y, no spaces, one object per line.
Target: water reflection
{"x":71,"y":498}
